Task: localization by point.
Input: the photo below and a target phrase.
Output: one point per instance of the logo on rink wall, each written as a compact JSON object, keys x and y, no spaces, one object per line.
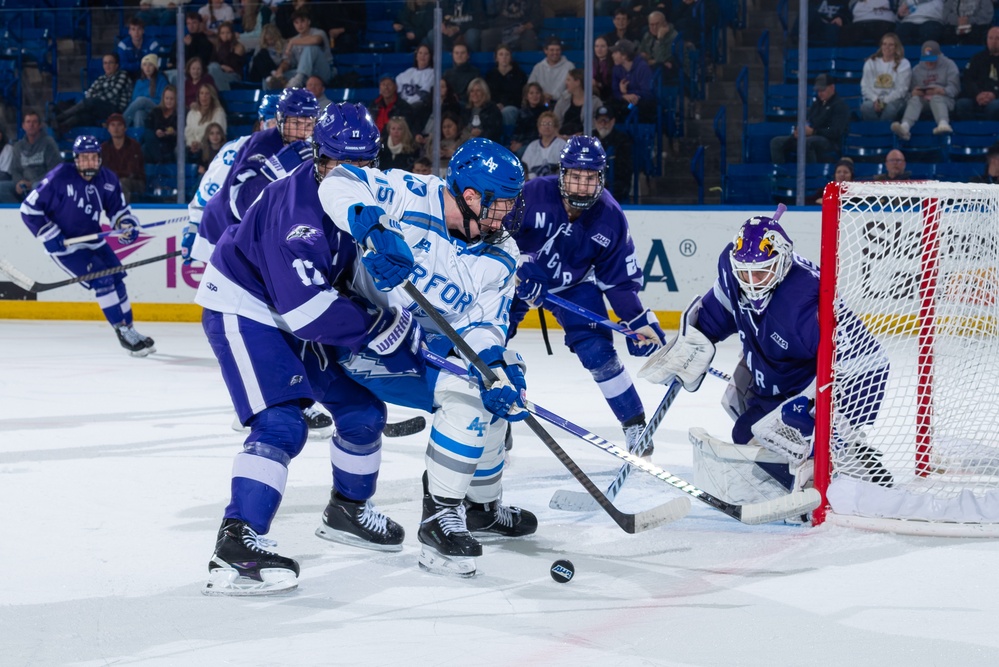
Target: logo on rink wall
{"x":657,"y":268}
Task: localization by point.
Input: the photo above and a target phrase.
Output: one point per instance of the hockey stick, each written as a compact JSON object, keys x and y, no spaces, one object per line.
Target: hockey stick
{"x":26,"y":283}
{"x":110,"y":232}
{"x":404,"y":428}
{"x":630,"y":523}
{"x":565,"y":304}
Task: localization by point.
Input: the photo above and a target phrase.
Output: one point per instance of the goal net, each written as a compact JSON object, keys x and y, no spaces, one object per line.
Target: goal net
{"x":907,"y":412}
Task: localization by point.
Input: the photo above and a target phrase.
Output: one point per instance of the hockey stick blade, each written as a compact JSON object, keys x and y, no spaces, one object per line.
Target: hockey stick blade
{"x":26,"y":283}
{"x":630,"y":523}
{"x":574,"y":501}
{"x":404,"y":428}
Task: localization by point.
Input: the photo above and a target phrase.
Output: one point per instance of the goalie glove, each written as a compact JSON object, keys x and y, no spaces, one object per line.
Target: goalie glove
{"x":788,"y":431}
{"x":505,"y":397}
{"x":687,"y":357}
{"x":647,"y":326}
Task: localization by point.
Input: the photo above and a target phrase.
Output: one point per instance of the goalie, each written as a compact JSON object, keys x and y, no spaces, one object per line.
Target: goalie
{"x":769,"y":296}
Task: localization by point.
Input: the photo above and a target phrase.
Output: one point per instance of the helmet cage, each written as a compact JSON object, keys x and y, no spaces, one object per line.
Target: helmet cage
{"x":83,"y":145}
{"x":761,"y":258}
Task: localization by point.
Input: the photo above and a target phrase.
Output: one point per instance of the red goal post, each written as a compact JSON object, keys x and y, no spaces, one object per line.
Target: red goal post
{"x":917,"y":263}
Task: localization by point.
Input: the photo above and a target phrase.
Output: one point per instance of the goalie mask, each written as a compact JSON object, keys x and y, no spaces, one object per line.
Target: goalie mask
{"x":87,"y":155}
{"x":760,"y":258}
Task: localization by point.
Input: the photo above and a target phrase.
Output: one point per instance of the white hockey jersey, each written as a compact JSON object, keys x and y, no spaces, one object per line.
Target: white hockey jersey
{"x":470,"y":284}
{"x":214,"y":177}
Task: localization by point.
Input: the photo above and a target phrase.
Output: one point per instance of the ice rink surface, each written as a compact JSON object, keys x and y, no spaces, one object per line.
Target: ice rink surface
{"x":114,"y":473}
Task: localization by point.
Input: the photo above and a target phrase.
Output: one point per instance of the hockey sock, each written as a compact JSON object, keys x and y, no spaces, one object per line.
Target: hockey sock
{"x":613,"y":380}
{"x":355,"y":467}
{"x":113,"y":300}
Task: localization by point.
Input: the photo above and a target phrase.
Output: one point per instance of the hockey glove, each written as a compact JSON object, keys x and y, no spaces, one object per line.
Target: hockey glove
{"x":647,"y":326}
{"x":52,"y":238}
{"x":187,"y":242}
{"x":280,"y":165}
{"x":390,"y":261}
{"x":687,"y":357}
{"x":788,"y":430}
{"x":129,"y":228}
{"x":505,"y":397}
{"x":395,"y":336}
{"x":532,"y":283}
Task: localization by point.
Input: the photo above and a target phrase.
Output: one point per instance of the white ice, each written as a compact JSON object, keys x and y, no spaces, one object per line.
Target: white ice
{"x":114,"y":473}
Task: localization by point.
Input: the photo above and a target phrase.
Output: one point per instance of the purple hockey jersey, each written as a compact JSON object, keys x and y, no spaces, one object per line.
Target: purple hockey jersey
{"x":74,"y":204}
{"x":596,"y":247}
{"x":281,"y":264}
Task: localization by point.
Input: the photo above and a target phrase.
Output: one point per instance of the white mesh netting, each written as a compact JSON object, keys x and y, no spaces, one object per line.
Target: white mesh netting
{"x":918,"y":264}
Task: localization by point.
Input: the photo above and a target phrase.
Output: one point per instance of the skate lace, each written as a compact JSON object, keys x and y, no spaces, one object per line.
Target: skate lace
{"x":311,"y":412}
{"x":451,"y":520}
{"x":130,"y":335}
{"x":631,"y":436}
{"x":504,"y":515}
{"x":372,"y":519}
{"x":255,"y":542}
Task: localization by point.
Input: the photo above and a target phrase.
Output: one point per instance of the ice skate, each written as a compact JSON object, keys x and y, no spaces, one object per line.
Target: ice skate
{"x":448,"y":547}
{"x":631,"y":435}
{"x":136,"y":344}
{"x":241,"y":565}
{"x":499,"y":519}
{"x":868,"y":459}
{"x":320,"y":423}
{"x":359,"y":524}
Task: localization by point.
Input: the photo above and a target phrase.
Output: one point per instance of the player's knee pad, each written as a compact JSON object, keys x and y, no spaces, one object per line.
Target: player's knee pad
{"x":360,"y":422}
{"x":280,"y":426}
{"x":104,"y":285}
{"x":598,"y":356}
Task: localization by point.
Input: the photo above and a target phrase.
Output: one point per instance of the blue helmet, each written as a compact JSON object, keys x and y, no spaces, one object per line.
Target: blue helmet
{"x":268,"y":107}
{"x":582,"y":152}
{"x":761,"y":258}
{"x":87,"y":143}
{"x":295,"y":103}
{"x":345,"y":133}
{"x":492,"y":171}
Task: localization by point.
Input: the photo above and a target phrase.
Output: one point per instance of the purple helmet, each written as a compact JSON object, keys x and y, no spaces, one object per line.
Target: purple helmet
{"x":761,"y":257}
{"x":587,"y":153}
{"x":295,"y":103}
{"x":345,"y":133}
{"x":87,"y":143}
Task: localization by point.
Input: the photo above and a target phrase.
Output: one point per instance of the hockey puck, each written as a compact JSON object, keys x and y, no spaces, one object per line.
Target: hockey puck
{"x":562,"y":571}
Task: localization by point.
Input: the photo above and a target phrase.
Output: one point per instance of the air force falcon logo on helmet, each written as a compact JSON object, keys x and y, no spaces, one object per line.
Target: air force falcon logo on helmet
{"x":304,"y":232}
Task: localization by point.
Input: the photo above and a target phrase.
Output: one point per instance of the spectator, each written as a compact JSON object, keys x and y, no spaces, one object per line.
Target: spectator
{"x":623,"y":29}
{"x":211,"y":143}
{"x":451,"y":138}
{"x":506,"y":84}
{"x":920,"y":21}
{"x":531,"y":108}
{"x":205,"y":111}
{"x":844,"y":172}
{"x":6,"y":152}
{"x":422,"y":166}
{"x":306,"y":54}
{"x":194,"y":78}
{"x":827,"y":121}
{"x":214,"y":13}
{"x":894,"y":167}
{"x":196,"y":42}
{"x":31,"y":157}
{"x":826,"y":23}
{"x":514,"y":24}
{"x":228,"y":58}
{"x":966,"y":21}
{"x":541,"y":157}
{"x":123,"y":155}
{"x":135,"y":47}
{"x":991,"y":173}
{"x":160,"y":142}
{"x":657,"y":45}
{"x":871,"y":20}
{"x":315,"y":86}
{"x":694,"y":18}
{"x":569,"y":108}
{"x":398,"y":149}
{"x":157,"y":12}
{"x":463,"y":21}
{"x":551,"y":71}
{"x":618,"y":146}
{"x":146,"y":93}
{"x":413,"y":24}
{"x":344,"y":24}
{"x":416,"y":84}
{"x":481,"y":117}
{"x":603,"y":69}
{"x":109,"y":94}
{"x":388,"y":103}
{"x":980,"y":83}
{"x":935,"y":85}
{"x":267,"y":58}
{"x":632,"y":83}
{"x":885,"y":81}
{"x":449,"y":104}
{"x":460,"y":73}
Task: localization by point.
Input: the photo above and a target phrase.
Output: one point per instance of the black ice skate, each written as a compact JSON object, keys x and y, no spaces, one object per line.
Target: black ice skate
{"x":632,"y":433}
{"x":242,"y":566}
{"x":320,"y":423}
{"x":359,"y":524}
{"x":448,"y":547}
{"x":136,"y":344}
{"x":868,"y":459}
{"x":500,"y":519}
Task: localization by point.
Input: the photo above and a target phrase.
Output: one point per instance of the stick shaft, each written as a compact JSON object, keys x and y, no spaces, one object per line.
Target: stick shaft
{"x":100,"y":235}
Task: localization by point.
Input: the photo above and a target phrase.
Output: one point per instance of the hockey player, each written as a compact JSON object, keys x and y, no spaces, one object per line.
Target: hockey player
{"x":217,"y":172}
{"x":575,"y":242}
{"x":451,"y":238}
{"x":271,"y":303}
{"x":68,"y":203}
{"x":769,"y":296}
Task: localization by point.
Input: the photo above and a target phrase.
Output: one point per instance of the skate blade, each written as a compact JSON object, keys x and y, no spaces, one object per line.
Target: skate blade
{"x":341,"y":537}
{"x":450,"y":566}
{"x":144,"y":352}
{"x":227,"y":581}
{"x":324,"y":433}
